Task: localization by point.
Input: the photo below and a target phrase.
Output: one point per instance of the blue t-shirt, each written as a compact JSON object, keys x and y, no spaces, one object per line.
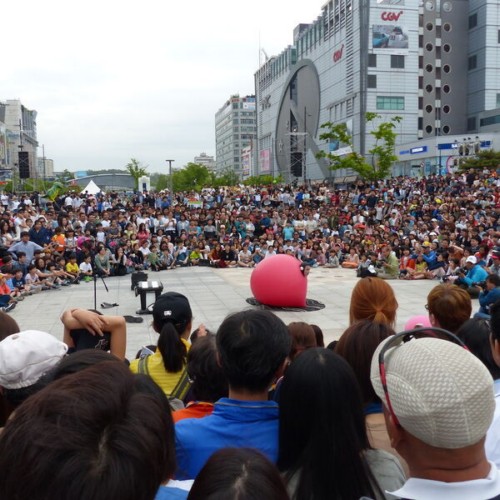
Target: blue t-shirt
{"x":174,"y":490}
{"x":233,"y":423}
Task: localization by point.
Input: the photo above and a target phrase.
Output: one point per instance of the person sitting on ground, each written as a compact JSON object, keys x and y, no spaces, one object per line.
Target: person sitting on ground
{"x":253,"y":346}
{"x":228,"y":257}
{"x":388,"y":265}
{"x":488,"y":295}
{"x":238,"y":473}
{"x":420,"y":272}
{"x":208,"y":382}
{"x":33,"y":280}
{"x":439,"y":404}
{"x":324,"y":450}
{"x":351,"y":260}
{"x":172,"y":320}
{"x":472,"y":275}
{"x":373,"y":299}
{"x":245,"y":257}
{"x":7,"y":296}
{"x":19,"y":283}
{"x":449,"y":306}
{"x":72,"y":268}
{"x":85,"y":329}
{"x":102,"y":263}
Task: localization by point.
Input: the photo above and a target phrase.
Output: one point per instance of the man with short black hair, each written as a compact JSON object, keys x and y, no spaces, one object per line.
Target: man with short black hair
{"x":26,"y":246}
{"x":252,"y":347}
{"x":488,"y":296}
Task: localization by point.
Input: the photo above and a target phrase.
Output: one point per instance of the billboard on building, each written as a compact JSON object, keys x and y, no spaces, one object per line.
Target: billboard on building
{"x":390,"y":38}
{"x":265,"y":160}
{"x":3,"y":148}
{"x":246,"y":160}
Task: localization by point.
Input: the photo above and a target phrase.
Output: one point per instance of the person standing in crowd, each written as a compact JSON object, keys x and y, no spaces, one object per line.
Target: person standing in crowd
{"x":253,"y":346}
{"x":172,"y":320}
{"x":439,"y":403}
{"x":324,"y":450}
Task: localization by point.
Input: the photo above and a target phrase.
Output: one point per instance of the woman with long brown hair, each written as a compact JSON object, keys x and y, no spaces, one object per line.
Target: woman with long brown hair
{"x":373,"y":299}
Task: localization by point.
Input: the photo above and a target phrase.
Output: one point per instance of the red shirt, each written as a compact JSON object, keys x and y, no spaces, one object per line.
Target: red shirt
{"x":194,"y":409}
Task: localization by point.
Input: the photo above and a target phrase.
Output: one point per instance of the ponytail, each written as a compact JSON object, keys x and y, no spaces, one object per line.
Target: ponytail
{"x":381,"y":318}
{"x":171,"y":347}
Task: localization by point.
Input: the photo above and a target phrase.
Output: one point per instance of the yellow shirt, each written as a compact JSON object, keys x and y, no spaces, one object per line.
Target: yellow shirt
{"x":72,"y":268}
{"x":166,"y":380}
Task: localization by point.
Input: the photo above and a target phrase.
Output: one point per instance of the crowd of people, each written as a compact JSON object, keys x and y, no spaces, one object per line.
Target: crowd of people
{"x":259,"y":409}
{"x":438,"y":227}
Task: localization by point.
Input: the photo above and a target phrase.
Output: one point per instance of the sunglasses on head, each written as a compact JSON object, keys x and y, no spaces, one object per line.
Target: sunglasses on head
{"x":402,"y":338}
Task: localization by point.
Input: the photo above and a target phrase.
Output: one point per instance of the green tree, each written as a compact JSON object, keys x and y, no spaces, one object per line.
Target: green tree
{"x":263,"y":180}
{"x":65,"y":176}
{"x":136,"y":170}
{"x":226,"y":177}
{"x":382,"y":153}
{"x":161,"y":182}
{"x":483,"y":159}
{"x":192,"y":177}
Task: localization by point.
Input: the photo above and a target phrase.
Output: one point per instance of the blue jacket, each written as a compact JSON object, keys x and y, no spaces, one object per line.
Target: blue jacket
{"x":476,"y":275}
{"x":251,"y":424}
{"x":487,"y":298}
{"x":430,"y":258}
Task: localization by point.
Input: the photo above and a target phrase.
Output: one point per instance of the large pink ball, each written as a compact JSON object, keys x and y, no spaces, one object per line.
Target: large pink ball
{"x":278,"y":281}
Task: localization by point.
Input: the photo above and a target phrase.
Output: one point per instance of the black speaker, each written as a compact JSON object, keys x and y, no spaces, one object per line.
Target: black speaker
{"x":296,"y":163}
{"x":24,"y":165}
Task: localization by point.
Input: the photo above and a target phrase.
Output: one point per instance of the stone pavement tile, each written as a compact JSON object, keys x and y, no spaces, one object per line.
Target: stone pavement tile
{"x":213,"y":294}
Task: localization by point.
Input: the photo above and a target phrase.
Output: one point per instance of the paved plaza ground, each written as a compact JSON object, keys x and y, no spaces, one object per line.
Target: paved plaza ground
{"x":213,"y":293}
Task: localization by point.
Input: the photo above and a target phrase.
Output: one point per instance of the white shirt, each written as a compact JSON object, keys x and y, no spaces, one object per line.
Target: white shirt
{"x":425,"y":489}
{"x":85,"y":267}
{"x":492,"y":444}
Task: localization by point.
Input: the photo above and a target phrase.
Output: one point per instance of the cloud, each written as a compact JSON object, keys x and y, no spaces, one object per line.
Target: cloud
{"x":113,"y":80}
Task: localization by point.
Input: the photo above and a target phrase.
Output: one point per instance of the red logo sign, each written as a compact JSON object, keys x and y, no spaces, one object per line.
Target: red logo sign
{"x":391,"y":16}
{"x":337,"y":55}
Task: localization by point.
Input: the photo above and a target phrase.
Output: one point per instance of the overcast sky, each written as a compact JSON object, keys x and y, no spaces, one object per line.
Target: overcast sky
{"x":112,"y":80}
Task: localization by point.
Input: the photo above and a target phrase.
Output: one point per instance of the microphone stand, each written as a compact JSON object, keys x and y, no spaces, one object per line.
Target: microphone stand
{"x":96,"y":275}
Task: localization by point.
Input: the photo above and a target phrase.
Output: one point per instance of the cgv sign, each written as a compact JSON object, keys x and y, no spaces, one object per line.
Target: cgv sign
{"x":337,"y":55}
{"x":391,"y":16}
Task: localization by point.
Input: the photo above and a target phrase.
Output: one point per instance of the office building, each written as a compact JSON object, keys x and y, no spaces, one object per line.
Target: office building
{"x":20,"y":124}
{"x":435,"y":63}
{"x":205,"y":160}
{"x":235,"y":130}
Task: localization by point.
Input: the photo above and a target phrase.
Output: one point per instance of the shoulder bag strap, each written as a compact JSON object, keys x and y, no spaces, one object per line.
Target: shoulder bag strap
{"x":182,"y":386}
{"x":142,"y":367}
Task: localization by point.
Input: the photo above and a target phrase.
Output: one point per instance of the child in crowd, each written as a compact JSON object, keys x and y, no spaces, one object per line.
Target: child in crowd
{"x":19,"y":283}
{"x":153,"y":258}
{"x":33,"y":280}
{"x":7,"y":295}
{"x":86,"y":268}
{"x":100,"y":234}
{"x":72,"y":268}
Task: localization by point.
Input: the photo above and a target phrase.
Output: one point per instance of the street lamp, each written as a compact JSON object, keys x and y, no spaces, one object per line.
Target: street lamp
{"x":171,"y":180}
